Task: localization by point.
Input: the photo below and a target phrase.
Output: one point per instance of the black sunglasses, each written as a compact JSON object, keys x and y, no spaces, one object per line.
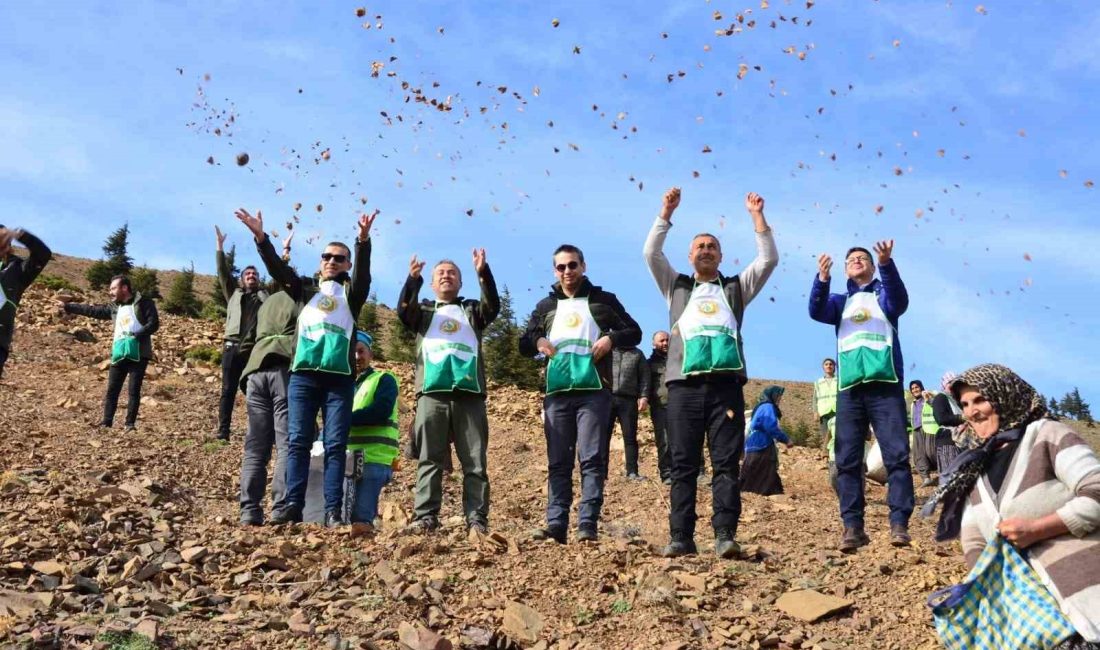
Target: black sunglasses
{"x":335,"y":257}
{"x":572,"y":266}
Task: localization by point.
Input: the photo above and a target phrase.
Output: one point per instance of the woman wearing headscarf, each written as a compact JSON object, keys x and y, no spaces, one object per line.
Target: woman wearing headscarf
{"x":1035,"y":482}
{"x":952,"y":436}
{"x":760,"y":471}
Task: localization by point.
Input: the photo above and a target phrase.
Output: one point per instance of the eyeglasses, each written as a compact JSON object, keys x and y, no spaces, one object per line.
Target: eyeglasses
{"x":572,"y":266}
{"x":334,"y":257}
{"x":859,"y":258}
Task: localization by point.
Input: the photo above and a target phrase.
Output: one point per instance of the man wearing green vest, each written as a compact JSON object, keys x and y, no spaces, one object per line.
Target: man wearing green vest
{"x":374,"y":433}
{"x":869,"y":384}
{"x":575,"y":328}
{"x":136,"y":320}
{"x":321,"y":373}
{"x":705,"y":371}
{"x":16,"y":274}
{"x":450,"y":386}
{"x":922,"y":431}
{"x":825,"y":398}
{"x":242,"y":302}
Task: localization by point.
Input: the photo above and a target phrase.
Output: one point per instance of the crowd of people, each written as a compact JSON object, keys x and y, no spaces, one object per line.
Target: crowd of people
{"x":1005,"y":467}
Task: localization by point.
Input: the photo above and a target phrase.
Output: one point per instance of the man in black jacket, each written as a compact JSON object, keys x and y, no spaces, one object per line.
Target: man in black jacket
{"x":242,"y":303}
{"x":575,"y":328}
{"x":16,"y":274}
{"x":657,"y":402}
{"x":136,"y":320}
{"x":629,"y":388}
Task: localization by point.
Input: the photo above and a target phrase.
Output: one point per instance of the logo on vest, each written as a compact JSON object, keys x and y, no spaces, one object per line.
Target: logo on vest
{"x":125,"y":320}
{"x":449,"y":326}
{"x":708,"y":307}
{"x":573,"y":320}
{"x":861,"y":315}
{"x":326,"y":304}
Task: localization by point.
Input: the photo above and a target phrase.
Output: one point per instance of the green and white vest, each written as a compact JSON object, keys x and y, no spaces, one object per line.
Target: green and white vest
{"x":709,"y":331}
{"x":125,"y":345}
{"x":379,"y":443}
{"x":865,"y":343}
{"x":450,"y":350}
{"x":825,"y":396}
{"x":325,"y":328}
{"x":573,"y":333}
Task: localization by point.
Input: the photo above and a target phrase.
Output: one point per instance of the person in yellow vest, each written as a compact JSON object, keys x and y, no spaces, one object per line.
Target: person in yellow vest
{"x":136,"y":320}
{"x":825,"y":398}
{"x":322,"y":370}
{"x":869,"y":384}
{"x":705,"y":372}
{"x":450,"y":386}
{"x":922,"y":432}
{"x":374,"y":432}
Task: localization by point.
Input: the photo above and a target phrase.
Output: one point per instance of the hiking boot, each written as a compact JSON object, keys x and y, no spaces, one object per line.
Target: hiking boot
{"x":422,"y":526}
{"x":853,"y":538}
{"x":333,"y":519}
{"x":899,"y":535}
{"x":129,"y":428}
{"x":680,"y":544}
{"x":543,"y":534}
{"x":724,"y":545}
{"x":288,"y":515}
{"x":480,"y":527}
{"x":222,"y":435}
{"x":587,"y":534}
{"x":252,"y":521}
{"x":362,"y":529}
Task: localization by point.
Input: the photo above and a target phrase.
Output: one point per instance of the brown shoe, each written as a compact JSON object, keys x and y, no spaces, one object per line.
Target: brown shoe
{"x":899,"y":535}
{"x":853,"y":538}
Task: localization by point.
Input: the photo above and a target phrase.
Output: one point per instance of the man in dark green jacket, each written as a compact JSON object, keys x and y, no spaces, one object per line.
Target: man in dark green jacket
{"x":450,"y":386}
{"x":16,"y":274}
{"x":136,"y":320}
{"x":242,"y":302}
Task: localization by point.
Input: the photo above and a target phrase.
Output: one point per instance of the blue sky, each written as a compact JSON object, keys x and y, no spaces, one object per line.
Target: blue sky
{"x":99,"y":127}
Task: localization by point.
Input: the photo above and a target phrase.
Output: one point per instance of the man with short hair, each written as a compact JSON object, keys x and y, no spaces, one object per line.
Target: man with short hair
{"x":374,"y":434}
{"x":870,"y":371}
{"x":923,"y":430}
{"x":450,"y":386}
{"x":706,"y":370}
{"x":629,"y":396}
{"x":136,"y":320}
{"x":575,"y":329}
{"x":322,"y":370}
{"x":16,"y":274}
{"x":242,"y":302}
{"x":825,"y":399}
{"x":657,"y":402}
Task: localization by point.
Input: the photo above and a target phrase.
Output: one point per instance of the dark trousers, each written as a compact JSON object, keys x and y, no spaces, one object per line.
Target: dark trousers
{"x":135,"y":370}
{"x":308,"y":393}
{"x":624,"y":409}
{"x":575,"y":424}
{"x":659,"y":416}
{"x":712,"y":411}
{"x":233,"y":363}
{"x":267,"y":432}
{"x":881,"y":406}
{"x":3,"y":360}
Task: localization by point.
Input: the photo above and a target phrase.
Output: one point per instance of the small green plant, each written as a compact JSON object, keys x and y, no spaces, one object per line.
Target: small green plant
{"x":210,"y":354}
{"x":212,"y":446}
{"x":583,"y":615}
{"x":803,"y":434}
{"x":620,"y":606}
{"x":55,"y":283}
{"x":126,"y":641}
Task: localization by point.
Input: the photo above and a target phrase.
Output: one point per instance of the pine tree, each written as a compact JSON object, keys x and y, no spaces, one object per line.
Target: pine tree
{"x":181,"y":299}
{"x":117,"y":260}
{"x":368,"y":322}
{"x":1053,"y":408}
{"x":144,"y":281}
{"x":500,"y":346}
{"x":398,"y":344}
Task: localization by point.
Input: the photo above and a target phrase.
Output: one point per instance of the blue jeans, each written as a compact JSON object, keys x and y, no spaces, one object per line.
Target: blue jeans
{"x":882,"y":406}
{"x":307,"y":394}
{"x":375,"y":477}
{"x":575,"y":424}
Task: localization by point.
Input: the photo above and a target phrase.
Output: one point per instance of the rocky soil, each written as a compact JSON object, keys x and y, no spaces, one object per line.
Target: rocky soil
{"x":107,"y":535}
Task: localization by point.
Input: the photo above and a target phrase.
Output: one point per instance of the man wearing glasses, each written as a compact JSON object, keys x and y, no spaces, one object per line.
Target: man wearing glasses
{"x":869,"y":384}
{"x":575,"y":328}
{"x":705,"y":371}
{"x":322,"y":371}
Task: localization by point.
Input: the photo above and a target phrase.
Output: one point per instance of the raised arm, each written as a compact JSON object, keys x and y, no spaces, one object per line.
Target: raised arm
{"x":360,"y":268}
{"x":895,"y":297}
{"x":40,"y":255}
{"x":653,"y":250}
{"x":408,"y":304}
{"x":226,"y":282}
{"x":488,"y":307}
{"x":278,"y":269}
{"x":822,"y":309}
{"x":942,"y":412}
{"x":756,"y":274}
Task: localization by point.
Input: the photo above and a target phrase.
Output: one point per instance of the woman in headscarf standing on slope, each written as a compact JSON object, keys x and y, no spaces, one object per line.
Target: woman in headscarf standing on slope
{"x":760,"y":471}
{"x":1035,"y":482}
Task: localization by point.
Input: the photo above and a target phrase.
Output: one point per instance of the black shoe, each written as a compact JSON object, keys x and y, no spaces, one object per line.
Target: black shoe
{"x":680,"y":544}
{"x":542,"y":534}
{"x":289,"y":515}
{"x":724,"y":545}
{"x":480,"y":527}
{"x":422,"y":526}
{"x":333,"y":519}
{"x":252,"y":520}
{"x":853,"y":538}
{"x":223,"y":436}
{"x":587,"y":534}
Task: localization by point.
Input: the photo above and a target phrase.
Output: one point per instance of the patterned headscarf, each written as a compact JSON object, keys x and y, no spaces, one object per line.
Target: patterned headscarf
{"x":770,"y":395}
{"x":1017,"y":404}
{"x":948,"y":378}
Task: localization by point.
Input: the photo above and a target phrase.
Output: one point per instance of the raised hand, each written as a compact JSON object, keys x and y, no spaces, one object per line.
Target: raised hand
{"x":884,"y":249}
{"x":824,"y":266}
{"x":6,"y":235}
{"x":479,"y":259}
{"x":415,"y":267}
{"x":255,"y":224}
{"x":220,"y":237}
{"x":365,"y":223}
{"x":545,"y":347}
{"x":670,"y":202}
{"x":754,"y":203}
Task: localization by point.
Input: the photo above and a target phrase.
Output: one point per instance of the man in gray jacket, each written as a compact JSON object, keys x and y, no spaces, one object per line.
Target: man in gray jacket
{"x":705,"y":371}
{"x":242,"y":303}
{"x":629,"y":388}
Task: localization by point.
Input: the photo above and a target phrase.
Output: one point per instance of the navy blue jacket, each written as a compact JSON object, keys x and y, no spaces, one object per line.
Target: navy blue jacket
{"x":827,"y":307}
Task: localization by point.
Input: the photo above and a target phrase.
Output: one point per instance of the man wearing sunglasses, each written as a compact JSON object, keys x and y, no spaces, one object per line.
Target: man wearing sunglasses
{"x":450,"y":386}
{"x":705,"y":371}
{"x":575,"y":328}
{"x":870,"y":389}
{"x":323,"y":365}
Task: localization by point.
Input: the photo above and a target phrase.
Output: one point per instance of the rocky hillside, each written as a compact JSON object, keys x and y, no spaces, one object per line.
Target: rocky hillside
{"x":129,"y":540}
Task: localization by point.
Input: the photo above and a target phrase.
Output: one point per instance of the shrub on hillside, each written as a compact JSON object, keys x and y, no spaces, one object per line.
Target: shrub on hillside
{"x":211,"y":354}
{"x":803,"y":434}
{"x":55,"y":283}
